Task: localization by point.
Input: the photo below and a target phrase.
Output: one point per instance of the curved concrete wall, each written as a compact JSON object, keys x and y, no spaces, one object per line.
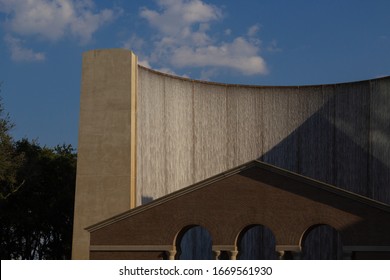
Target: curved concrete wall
{"x":191,"y":130}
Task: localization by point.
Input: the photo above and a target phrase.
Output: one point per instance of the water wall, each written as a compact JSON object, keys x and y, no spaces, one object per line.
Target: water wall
{"x":190,"y":130}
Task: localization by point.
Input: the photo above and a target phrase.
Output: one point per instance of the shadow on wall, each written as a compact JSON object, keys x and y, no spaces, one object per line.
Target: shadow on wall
{"x":346,"y":143}
{"x":339,"y":145}
{"x":146,"y":199}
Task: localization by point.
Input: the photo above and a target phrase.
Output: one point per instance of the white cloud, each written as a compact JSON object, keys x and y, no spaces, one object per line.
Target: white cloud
{"x":184,"y":39}
{"x":240,"y":55}
{"x":20,"y":53}
{"x":53,"y":19}
{"x":178,"y":15}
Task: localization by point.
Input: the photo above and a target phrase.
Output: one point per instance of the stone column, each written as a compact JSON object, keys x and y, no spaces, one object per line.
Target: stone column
{"x":172,"y":254}
{"x":281,"y":255}
{"x":216,"y":254}
{"x":233,"y":254}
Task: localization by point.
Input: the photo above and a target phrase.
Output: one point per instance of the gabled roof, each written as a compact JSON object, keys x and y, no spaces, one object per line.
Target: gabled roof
{"x":279,"y":173}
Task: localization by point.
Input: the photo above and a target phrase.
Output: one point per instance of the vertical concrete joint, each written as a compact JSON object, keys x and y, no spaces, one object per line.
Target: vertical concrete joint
{"x":133,"y":130}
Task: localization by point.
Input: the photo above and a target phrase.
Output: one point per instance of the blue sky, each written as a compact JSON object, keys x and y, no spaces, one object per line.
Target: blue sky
{"x":259,"y":42}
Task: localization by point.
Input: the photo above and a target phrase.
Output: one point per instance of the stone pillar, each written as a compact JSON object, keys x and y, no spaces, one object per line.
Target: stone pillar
{"x":105,"y":180}
{"x":281,"y":255}
{"x":171,"y":254}
{"x":225,"y":252}
{"x":216,"y":254}
{"x":233,"y":255}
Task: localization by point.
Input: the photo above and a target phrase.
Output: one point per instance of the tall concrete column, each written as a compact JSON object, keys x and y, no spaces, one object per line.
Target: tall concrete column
{"x":105,"y":183}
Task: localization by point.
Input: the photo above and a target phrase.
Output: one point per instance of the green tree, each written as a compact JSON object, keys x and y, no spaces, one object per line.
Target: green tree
{"x":36,"y":216}
{"x":9,"y":160}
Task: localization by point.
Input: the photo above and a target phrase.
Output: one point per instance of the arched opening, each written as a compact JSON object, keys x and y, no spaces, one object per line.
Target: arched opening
{"x":194,"y":243}
{"x":256,"y":242}
{"x":321,"y":242}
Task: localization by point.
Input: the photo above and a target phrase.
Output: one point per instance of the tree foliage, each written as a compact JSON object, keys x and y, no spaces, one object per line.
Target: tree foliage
{"x":37,"y":198}
{"x":9,"y":160}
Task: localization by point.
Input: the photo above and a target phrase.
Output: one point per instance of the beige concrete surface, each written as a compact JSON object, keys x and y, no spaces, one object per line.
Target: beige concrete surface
{"x":103,"y":183}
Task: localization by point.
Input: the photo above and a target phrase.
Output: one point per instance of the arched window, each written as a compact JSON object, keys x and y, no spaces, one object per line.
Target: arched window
{"x":321,"y":242}
{"x":194,"y":243}
{"x":256,"y":242}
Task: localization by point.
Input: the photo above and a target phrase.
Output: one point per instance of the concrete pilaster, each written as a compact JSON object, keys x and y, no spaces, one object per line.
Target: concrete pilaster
{"x":105,"y":182}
